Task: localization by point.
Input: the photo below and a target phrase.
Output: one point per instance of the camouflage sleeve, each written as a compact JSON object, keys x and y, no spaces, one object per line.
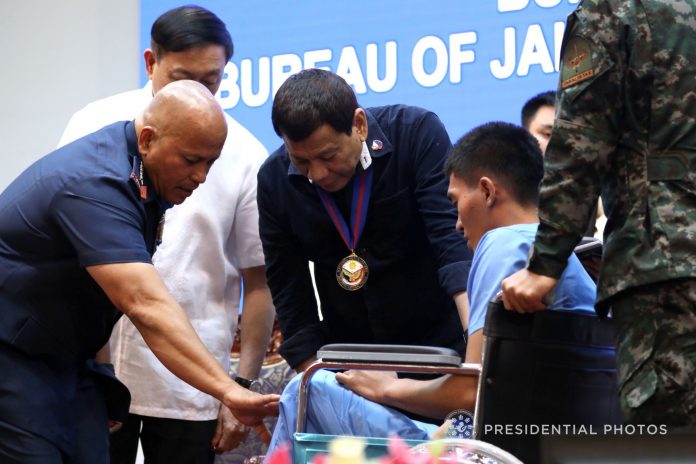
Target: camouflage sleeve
{"x":585,"y":133}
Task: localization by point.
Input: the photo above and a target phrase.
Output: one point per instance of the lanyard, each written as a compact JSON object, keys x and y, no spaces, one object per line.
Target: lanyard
{"x":362,"y":189}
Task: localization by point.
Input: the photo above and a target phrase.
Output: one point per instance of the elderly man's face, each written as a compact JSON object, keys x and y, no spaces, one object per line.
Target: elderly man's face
{"x":327,"y":157}
{"x":178,"y":163}
{"x":204,"y":64}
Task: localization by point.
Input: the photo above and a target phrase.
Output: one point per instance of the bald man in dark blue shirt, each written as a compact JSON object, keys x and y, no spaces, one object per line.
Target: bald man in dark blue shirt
{"x":77,"y":231}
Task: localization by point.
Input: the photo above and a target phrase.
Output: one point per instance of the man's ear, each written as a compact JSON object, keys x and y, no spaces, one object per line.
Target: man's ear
{"x":488,"y":189}
{"x":360,"y":123}
{"x":150,"y":60}
{"x":145,"y":139}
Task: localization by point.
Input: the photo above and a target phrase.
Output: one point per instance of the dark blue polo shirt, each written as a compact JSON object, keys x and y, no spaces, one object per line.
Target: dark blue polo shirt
{"x":76,"y":207}
{"x":417,"y":259}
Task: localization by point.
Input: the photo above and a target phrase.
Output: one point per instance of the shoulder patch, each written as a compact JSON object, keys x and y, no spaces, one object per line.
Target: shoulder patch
{"x":577,"y":62}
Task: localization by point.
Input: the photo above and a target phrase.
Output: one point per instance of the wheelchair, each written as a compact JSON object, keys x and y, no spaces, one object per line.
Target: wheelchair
{"x":396,"y":358}
{"x":551,"y":370}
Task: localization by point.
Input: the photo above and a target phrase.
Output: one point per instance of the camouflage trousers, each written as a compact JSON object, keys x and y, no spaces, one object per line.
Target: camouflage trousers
{"x":656,"y":353}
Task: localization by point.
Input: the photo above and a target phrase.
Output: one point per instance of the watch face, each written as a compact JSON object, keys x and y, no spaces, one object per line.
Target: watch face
{"x":462,"y":424}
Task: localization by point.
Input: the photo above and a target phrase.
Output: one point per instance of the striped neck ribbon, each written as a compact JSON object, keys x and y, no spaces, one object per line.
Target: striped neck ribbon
{"x":362,"y":188}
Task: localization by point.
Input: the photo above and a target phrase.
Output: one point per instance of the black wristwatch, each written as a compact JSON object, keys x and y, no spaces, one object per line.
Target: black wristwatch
{"x":246,"y":383}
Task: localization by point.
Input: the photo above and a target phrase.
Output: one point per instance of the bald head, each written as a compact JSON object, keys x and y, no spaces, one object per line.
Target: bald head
{"x":180,"y":134}
{"x":183,"y":106}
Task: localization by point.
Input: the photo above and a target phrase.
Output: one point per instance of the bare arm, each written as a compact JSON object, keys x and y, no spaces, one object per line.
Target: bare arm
{"x":462,"y":302}
{"x":433,"y":398}
{"x":138,"y":291}
{"x":257,"y":322}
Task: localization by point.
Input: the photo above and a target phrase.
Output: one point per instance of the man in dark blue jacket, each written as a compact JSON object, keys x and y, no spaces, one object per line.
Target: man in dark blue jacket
{"x":77,"y":232}
{"x":360,"y":193}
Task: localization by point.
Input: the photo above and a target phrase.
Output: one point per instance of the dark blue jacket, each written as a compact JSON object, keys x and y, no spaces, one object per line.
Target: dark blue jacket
{"x":417,"y":259}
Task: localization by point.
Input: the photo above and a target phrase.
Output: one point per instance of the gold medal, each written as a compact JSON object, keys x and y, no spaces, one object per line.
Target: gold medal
{"x":352,"y":272}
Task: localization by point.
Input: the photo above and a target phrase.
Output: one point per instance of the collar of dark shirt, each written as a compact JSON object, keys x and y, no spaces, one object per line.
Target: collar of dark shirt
{"x":374,"y":132}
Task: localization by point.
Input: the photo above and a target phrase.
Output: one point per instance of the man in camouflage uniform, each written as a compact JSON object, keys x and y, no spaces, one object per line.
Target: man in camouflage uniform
{"x":626,"y":126}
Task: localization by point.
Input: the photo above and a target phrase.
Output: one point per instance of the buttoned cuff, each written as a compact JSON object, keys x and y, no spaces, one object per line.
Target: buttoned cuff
{"x":453,"y":277}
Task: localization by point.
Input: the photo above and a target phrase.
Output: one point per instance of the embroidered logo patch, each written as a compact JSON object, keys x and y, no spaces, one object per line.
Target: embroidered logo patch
{"x":577,"y":62}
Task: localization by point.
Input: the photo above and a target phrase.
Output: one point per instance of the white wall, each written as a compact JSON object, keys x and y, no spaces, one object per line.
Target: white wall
{"x":56,"y":56}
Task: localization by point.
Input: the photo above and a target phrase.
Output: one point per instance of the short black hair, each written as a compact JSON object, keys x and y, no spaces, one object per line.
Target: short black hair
{"x":312,"y":98}
{"x":189,"y":26}
{"x":505,"y":152}
{"x":533,"y":104}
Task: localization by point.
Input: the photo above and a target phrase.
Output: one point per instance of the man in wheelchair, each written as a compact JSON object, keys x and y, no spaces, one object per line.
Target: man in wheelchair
{"x":494,"y":171}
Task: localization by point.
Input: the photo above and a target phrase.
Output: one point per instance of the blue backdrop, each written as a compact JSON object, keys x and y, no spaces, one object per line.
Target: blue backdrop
{"x":470,"y":61}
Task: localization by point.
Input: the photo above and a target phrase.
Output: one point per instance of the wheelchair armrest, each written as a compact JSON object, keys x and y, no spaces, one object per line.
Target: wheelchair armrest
{"x":389,"y":354}
{"x":588,"y":246}
{"x":589,"y":252}
{"x":396,"y":358}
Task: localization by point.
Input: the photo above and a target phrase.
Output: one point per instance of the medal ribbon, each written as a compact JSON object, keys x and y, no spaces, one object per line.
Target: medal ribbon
{"x":362,"y":188}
